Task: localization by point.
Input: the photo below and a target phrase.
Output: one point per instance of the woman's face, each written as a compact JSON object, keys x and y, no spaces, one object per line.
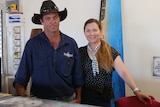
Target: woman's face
{"x":93,"y":33}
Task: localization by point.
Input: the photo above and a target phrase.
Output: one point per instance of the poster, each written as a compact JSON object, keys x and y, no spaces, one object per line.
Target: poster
{"x":156,"y":67}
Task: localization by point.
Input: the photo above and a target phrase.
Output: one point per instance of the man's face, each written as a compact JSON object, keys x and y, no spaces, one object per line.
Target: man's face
{"x":51,"y":22}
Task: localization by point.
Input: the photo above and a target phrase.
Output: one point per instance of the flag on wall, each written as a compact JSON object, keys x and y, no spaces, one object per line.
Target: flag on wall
{"x":110,"y":17}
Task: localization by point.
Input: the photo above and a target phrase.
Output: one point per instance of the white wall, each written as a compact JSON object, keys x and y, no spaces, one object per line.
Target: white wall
{"x":141,"y":36}
{"x":78,"y":12}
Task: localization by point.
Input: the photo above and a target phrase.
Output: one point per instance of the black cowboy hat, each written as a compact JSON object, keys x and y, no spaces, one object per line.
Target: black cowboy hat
{"x":47,"y":7}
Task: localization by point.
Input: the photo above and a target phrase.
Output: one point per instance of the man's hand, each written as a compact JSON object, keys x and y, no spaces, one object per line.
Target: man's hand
{"x":20,"y":90}
{"x":76,"y":101}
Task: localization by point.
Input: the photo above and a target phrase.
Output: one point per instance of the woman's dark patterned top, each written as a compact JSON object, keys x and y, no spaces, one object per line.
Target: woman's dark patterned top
{"x":101,"y":84}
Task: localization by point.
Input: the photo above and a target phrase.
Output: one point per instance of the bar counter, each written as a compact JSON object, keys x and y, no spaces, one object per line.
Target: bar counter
{"x":7,"y":100}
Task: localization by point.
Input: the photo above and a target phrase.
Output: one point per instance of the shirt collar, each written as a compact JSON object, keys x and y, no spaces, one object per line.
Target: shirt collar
{"x":63,"y":41}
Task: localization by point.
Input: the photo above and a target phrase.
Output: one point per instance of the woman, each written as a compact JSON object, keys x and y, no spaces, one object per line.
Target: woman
{"x":99,"y":60}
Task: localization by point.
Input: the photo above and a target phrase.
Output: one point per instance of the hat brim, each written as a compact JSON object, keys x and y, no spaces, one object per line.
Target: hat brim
{"x":36,"y":17}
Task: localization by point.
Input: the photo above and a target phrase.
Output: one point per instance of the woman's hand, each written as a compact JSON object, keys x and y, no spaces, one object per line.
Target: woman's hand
{"x":145,"y":98}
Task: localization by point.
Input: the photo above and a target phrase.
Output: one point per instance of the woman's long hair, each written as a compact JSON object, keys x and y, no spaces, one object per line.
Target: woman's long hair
{"x":104,"y":56}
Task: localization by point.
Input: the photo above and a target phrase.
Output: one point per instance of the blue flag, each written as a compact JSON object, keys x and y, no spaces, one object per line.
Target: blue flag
{"x":113,"y":35}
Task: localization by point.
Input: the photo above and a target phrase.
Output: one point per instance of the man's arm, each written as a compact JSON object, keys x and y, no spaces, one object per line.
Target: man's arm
{"x":78,"y":96}
{"x":20,"y":90}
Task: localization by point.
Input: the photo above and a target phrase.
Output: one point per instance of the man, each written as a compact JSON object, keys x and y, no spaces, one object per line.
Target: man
{"x":51,"y":59}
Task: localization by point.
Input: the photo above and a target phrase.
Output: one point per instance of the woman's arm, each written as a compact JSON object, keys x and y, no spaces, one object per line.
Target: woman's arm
{"x":124,"y":73}
{"x":126,"y":76}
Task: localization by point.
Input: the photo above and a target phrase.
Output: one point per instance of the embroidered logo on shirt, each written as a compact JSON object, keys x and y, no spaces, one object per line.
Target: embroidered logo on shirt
{"x":68,"y":55}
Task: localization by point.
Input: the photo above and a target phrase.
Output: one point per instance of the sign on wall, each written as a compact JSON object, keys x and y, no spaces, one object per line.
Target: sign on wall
{"x":156,"y":67}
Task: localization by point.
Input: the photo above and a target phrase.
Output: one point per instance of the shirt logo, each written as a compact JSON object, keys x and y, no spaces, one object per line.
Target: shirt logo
{"x":68,"y":54}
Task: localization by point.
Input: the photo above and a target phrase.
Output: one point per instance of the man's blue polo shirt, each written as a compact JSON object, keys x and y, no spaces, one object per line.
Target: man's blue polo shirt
{"x":54,"y":73}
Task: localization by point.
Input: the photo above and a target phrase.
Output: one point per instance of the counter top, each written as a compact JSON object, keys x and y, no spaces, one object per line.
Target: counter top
{"x":11,"y":101}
